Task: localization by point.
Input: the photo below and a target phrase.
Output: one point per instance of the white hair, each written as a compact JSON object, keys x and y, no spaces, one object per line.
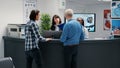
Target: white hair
{"x":69,"y":12}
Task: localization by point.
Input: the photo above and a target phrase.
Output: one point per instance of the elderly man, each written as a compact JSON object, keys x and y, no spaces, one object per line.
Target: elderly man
{"x":71,"y":36}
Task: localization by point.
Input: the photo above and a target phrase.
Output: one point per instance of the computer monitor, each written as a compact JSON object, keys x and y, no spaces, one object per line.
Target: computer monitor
{"x":52,"y":34}
{"x":89,"y":20}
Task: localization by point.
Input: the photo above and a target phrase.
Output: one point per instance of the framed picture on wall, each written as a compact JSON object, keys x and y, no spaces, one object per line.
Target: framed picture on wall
{"x":107,"y":19}
{"x":89,"y":20}
{"x":116,"y":27}
{"x":115,"y":9}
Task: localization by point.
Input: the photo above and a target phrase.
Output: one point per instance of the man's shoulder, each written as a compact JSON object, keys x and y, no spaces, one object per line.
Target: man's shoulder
{"x":72,"y":21}
{"x":68,"y":24}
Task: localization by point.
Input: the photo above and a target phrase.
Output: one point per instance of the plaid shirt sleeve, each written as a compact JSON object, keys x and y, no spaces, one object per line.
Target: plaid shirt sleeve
{"x":37,"y":35}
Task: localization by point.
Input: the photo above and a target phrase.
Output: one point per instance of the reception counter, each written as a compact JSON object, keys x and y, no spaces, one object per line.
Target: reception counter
{"x":92,"y":53}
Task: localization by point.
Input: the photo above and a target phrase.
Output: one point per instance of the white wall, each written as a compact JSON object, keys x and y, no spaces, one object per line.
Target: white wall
{"x":11,"y":11}
{"x":98,"y":10}
{"x":51,"y":7}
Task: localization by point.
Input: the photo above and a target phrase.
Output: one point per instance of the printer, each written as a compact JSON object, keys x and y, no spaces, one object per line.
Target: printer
{"x":16,"y":30}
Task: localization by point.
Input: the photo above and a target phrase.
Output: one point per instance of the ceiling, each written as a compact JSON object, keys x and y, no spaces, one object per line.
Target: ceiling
{"x":86,"y":2}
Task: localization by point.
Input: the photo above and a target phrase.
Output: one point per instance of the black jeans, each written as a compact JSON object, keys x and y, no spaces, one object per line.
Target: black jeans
{"x":70,"y":56}
{"x":33,"y":54}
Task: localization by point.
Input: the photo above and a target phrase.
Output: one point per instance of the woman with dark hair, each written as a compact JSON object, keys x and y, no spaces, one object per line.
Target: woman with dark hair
{"x":85,"y":30}
{"x":56,"y":20}
{"x":32,"y":37}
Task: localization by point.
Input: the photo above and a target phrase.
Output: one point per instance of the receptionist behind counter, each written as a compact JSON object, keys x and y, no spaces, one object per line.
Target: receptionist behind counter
{"x":56,"y":20}
{"x":56,"y":23}
{"x":85,"y":30}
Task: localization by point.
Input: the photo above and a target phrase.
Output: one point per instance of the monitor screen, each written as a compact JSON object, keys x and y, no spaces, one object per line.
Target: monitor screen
{"x":52,"y":34}
{"x":116,"y":26}
{"x":89,"y":20}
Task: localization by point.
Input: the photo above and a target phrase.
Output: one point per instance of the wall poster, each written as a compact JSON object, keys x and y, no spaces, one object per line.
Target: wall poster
{"x":116,"y":27}
{"x":115,"y":9}
{"x":28,"y":5}
{"x":107,"y":19}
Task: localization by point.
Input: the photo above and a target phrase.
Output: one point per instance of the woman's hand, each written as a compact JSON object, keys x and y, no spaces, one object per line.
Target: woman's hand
{"x":48,"y":39}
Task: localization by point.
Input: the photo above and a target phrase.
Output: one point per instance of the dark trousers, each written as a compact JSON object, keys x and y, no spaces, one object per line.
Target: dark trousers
{"x":70,"y":56}
{"x":33,"y":55}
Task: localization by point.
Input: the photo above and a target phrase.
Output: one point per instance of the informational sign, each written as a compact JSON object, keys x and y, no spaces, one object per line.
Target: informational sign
{"x":28,"y":6}
{"x":62,"y":4}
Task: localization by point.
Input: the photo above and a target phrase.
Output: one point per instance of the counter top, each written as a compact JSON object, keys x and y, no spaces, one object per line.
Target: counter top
{"x":58,"y":40}
{"x":92,"y":53}
{"x":93,"y":39}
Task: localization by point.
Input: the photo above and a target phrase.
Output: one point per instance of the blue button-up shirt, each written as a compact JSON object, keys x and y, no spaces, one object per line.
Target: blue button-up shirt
{"x":72,"y":33}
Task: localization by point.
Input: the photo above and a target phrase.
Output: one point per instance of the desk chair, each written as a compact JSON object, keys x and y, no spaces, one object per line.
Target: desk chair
{"x":6,"y":62}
